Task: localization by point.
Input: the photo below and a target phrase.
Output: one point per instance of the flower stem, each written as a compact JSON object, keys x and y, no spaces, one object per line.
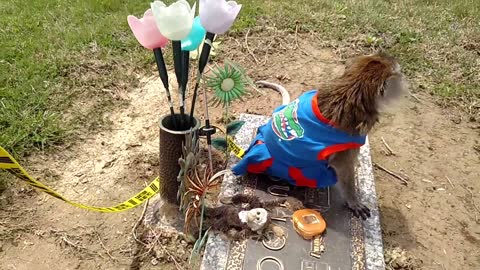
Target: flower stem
{"x":162,"y":71}
{"x":204,"y":56}
{"x":185,"y":71}
{"x":177,"y":62}
{"x":208,"y":129}
{"x":226,"y":135}
{"x":201,"y":66}
{"x":195,"y":90}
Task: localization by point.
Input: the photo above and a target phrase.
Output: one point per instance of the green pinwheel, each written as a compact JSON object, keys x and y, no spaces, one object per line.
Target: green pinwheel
{"x":228,"y":83}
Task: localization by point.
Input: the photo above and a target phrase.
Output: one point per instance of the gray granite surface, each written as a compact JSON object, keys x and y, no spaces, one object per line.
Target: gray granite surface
{"x":217,"y":247}
{"x":374,"y":259}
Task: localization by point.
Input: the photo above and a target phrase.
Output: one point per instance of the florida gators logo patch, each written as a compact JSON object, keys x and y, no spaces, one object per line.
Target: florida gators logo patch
{"x":285,"y":122}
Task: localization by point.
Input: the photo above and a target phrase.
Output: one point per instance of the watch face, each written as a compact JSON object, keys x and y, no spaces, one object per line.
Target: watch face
{"x":310,"y":219}
{"x":308,"y":222}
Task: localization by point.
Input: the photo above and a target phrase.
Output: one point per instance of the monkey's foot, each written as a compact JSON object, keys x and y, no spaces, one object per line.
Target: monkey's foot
{"x":359,"y":210}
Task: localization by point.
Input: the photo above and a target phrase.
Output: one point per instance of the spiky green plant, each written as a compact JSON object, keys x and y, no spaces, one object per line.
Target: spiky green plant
{"x":188,"y":161}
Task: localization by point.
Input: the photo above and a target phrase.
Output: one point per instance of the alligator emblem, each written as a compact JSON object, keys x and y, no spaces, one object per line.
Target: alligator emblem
{"x":285,"y":122}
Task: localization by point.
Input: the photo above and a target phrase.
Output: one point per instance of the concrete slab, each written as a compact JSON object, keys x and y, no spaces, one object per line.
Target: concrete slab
{"x":349,"y":242}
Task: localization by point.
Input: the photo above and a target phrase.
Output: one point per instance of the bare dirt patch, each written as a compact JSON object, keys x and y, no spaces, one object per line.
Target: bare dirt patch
{"x":428,"y":224}
{"x":101,"y":170}
{"x":435,"y":217}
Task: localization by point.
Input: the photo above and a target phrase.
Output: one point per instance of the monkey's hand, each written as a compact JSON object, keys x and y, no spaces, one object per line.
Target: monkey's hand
{"x":359,"y":209}
{"x":343,"y":163}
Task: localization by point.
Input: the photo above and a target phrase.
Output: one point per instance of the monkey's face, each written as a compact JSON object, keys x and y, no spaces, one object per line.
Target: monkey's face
{"x":257,"y":218}
{"x":393,"y":89}
{"x":381,"y":75}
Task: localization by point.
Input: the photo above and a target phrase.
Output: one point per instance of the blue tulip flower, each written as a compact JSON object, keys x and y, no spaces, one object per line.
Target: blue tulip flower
{"x":196,"y":36}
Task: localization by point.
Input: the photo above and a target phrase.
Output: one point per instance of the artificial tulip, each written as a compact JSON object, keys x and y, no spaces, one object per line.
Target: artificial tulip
{"x":196,"y":36}
{"x":146,"y":31}
{"x":174,"y":21}
{"x":217,"y":16}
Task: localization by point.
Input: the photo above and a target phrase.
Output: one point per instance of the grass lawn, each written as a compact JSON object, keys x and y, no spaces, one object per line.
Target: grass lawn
{"x":58,"y":55}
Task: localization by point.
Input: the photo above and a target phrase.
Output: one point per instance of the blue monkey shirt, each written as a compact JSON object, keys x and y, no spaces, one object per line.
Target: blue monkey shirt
{"x":295,"y":144}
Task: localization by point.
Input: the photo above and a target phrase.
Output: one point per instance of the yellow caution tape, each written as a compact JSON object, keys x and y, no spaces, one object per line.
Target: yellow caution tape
{"x":9,"y":164}
{"x":233,"y":147}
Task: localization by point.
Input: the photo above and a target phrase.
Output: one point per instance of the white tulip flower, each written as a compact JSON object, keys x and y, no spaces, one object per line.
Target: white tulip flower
{"x":174,"y":21}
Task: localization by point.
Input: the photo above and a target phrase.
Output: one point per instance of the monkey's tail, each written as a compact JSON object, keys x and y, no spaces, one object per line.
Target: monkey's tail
{"x":278,"y":88}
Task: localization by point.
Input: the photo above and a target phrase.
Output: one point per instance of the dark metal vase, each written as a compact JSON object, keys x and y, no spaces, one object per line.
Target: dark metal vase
{"x":171,"y":139}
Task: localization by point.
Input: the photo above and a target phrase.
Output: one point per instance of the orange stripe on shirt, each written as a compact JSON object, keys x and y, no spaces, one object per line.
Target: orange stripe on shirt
{"x":329,"y":150}
{"x":300,"y":179}
{"x":318,"y":114}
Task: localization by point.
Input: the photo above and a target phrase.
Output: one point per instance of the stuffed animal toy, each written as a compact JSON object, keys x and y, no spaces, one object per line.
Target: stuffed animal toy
{"x":240,"y":222}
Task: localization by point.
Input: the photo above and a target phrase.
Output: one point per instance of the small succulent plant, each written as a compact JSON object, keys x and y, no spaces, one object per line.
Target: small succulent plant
{"x":187,"y":162}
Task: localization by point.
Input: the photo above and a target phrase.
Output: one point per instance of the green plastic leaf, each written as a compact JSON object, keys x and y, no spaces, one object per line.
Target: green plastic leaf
{"x":234,"y":126}
{"x":219,"y":144}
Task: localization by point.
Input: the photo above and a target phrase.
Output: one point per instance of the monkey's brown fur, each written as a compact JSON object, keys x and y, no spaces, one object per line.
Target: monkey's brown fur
{"x":351,"y":103}
{"x":225,"y":218}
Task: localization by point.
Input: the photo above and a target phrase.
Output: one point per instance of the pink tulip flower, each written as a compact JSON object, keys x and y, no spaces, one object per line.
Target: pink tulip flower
{"x":217,"y":16}
{"x":146,"y":31}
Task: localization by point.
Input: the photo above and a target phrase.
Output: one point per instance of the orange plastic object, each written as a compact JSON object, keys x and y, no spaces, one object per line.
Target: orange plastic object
{"x":308,"y":223}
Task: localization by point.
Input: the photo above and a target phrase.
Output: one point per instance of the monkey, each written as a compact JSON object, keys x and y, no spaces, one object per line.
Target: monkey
{"x":314,"y":141}
{"x":354,"y":102}
{"x":239,"y":222}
